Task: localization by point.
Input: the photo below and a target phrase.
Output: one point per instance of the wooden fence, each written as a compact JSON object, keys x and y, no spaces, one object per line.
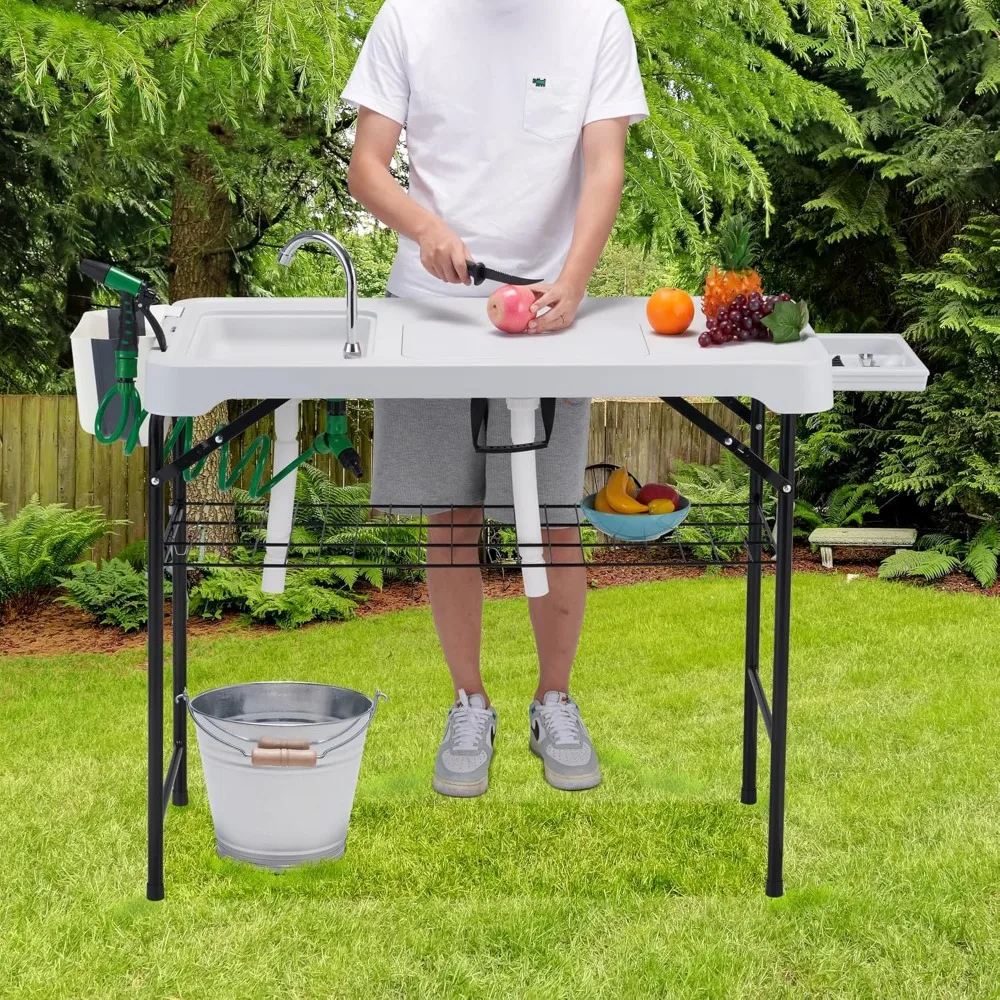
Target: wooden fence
{"x":44,"y":451}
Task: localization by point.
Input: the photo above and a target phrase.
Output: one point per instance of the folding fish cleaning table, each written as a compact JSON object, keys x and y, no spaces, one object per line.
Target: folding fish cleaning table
{"x":285,"y":350}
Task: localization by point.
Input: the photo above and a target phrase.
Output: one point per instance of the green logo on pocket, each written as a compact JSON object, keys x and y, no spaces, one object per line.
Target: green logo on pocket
{"x":539,"y":81}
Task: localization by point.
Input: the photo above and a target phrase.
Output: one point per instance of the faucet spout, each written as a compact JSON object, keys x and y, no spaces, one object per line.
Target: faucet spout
{"x":352,"y":348}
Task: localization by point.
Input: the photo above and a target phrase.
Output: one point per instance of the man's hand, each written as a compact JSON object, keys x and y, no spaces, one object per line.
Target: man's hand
{"x":443,"y":254}
{"x":563,"y":298}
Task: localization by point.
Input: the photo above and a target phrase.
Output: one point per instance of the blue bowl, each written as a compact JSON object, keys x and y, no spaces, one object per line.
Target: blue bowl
{"x":634,"y":527}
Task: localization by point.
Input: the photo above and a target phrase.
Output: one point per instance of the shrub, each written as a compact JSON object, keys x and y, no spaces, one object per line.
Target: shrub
{"x":40,"y":543}
{"x":135,"y":554}
{"x":846,"y":506}
{"x":305,"y":599}
{"x":329,"y":515}
{"x":938,"y":555}
{"x":719,"y":529}
{"x":115,"y":594}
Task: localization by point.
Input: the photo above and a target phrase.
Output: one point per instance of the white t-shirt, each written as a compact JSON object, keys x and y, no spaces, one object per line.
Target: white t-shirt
{"x":494,"y":95}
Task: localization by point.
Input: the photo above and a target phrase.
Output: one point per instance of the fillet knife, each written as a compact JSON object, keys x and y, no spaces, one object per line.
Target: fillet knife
{"x":480,"y":273}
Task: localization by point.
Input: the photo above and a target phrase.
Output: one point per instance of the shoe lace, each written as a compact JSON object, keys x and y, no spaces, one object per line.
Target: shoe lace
{"x":467,"y":726}
{"x":562,"y":722}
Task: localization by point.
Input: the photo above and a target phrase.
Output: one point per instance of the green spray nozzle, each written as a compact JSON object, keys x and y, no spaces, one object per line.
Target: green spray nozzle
{"x":112,"y":277}
{"x":136,"y":298}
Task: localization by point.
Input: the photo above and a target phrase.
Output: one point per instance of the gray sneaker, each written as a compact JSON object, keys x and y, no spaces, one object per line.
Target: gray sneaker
{"x":462,"y":766}
{"x":560,"y":738}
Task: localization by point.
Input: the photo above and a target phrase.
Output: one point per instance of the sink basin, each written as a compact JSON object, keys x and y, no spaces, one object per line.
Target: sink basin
{"x":874,"y":361}
{"x":272,"y":336}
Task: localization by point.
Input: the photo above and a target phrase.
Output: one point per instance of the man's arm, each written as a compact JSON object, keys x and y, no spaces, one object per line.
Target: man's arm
{"x":600,"y":196}
{"x":442,"y":253}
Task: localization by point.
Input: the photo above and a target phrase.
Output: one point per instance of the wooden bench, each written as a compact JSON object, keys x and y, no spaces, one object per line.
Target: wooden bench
{"x":860,"y":538}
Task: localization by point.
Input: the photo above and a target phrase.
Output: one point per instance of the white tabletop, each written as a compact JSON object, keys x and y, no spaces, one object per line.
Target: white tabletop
{"x":222,"y":349}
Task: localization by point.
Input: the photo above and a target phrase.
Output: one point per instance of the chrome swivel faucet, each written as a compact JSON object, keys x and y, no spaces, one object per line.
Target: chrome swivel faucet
{"x":352,"y":349}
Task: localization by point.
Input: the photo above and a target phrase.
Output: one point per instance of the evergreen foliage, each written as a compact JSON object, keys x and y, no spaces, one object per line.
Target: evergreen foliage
{"x":305,"y":598}
{"x":40,"y":543}
{"x":847,"y":506}
{"x":116,"y":594}
{"x":938,"y":555}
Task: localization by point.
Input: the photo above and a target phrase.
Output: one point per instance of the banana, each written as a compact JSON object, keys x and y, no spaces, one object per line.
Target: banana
{"x":617,"y":494}
{"x":601,"y":503}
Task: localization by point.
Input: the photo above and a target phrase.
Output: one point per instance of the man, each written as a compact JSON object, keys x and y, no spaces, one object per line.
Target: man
{"x":516,"y":113}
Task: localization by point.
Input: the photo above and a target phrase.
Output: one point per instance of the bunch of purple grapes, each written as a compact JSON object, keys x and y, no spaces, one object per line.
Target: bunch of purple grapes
{"x":742,"y":319}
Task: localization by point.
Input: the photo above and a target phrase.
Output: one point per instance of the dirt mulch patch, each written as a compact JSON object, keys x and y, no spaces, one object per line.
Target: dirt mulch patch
{"x":53,"y":629}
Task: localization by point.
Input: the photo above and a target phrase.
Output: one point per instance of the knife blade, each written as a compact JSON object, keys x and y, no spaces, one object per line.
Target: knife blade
{"x":480,"y":273}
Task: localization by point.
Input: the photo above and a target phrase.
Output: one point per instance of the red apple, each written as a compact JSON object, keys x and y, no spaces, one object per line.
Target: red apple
{"x":509,"y":308}
{"x":658,"y":491}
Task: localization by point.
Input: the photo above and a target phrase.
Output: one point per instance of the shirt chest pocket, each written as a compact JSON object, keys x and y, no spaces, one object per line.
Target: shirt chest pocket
{"x":552,"y":107}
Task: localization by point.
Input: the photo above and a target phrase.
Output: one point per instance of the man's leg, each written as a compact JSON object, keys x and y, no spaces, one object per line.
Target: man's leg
{"x":557,"y":618}
{"x":457,"y":593}
{"x":556,"y":732}
{"x":462,"y":765}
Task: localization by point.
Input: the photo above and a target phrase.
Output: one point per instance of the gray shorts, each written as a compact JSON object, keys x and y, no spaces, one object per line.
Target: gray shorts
{"x":424,"y":455}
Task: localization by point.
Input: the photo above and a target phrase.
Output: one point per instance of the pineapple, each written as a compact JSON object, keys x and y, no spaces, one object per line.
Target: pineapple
{"x":737,"y":276}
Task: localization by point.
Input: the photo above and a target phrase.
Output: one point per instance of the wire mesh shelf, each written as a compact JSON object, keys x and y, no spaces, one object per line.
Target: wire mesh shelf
{"x":232,"y":534}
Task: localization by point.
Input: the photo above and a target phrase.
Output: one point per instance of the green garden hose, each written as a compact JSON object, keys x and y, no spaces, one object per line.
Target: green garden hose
{"x":331,"y":441}
{"x":126,"y":367}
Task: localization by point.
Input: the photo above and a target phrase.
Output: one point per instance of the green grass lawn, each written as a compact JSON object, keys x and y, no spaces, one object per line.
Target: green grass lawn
{"x":649,"y":886}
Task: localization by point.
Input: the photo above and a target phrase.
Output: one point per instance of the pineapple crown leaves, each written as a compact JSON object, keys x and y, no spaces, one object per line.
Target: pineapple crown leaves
{"x":736,"y":247}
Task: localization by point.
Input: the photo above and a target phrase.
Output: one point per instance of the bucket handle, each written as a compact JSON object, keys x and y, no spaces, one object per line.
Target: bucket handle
{"x":284,"y":753}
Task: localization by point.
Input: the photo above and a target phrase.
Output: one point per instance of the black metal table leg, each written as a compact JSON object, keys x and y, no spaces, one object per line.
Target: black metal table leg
{"x":779,"y":697}
{"x":154,"y":666}
{"x":178,"y":604}
{"x":748,"y":792}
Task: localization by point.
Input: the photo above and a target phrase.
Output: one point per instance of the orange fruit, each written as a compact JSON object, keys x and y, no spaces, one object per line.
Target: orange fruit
{"x":670,"y":310}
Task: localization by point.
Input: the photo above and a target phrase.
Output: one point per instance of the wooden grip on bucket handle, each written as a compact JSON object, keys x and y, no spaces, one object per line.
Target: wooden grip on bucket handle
{"x":282,"y":757}
{"x":283,"y":753}
{"x":269,"y":743}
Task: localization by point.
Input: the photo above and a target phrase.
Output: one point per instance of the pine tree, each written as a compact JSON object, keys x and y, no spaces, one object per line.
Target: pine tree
{"x":900,"y":232}
{"x":726,"y":79}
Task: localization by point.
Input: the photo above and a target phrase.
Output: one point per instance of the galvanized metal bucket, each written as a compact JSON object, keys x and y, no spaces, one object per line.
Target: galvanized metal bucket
{"x":281,"y":762}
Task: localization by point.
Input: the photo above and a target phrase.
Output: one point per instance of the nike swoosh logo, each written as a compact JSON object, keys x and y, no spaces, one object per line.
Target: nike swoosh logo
{"x":535,"y":729}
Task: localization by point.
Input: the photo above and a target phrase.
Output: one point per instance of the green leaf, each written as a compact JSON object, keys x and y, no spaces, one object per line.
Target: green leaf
{"x":981,"y":562}
{"x":787,"y":321}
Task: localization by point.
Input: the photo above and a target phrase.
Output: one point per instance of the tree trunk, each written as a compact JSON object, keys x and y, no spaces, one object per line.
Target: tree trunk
{"x":201,"y":260}
{"x":78,"y":302}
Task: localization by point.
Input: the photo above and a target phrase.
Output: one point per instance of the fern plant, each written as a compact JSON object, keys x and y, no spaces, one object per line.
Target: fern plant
{"x":333,"y":521}
{"x":331,"y":525}
{"x":938,"y":555}
{"x":847,"y":506}
{"x":306,"y":597}
{"x":718,"y":529}
{"x":116,"y":594}
{"x":40,"y":543}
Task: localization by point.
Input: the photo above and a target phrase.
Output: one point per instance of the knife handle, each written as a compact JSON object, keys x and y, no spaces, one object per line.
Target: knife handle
{"x":476,"y":271}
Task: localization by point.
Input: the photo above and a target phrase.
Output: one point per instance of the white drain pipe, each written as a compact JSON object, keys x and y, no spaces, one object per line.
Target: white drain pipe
{"x":524,"y":485}
{"x":279,"y":511}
